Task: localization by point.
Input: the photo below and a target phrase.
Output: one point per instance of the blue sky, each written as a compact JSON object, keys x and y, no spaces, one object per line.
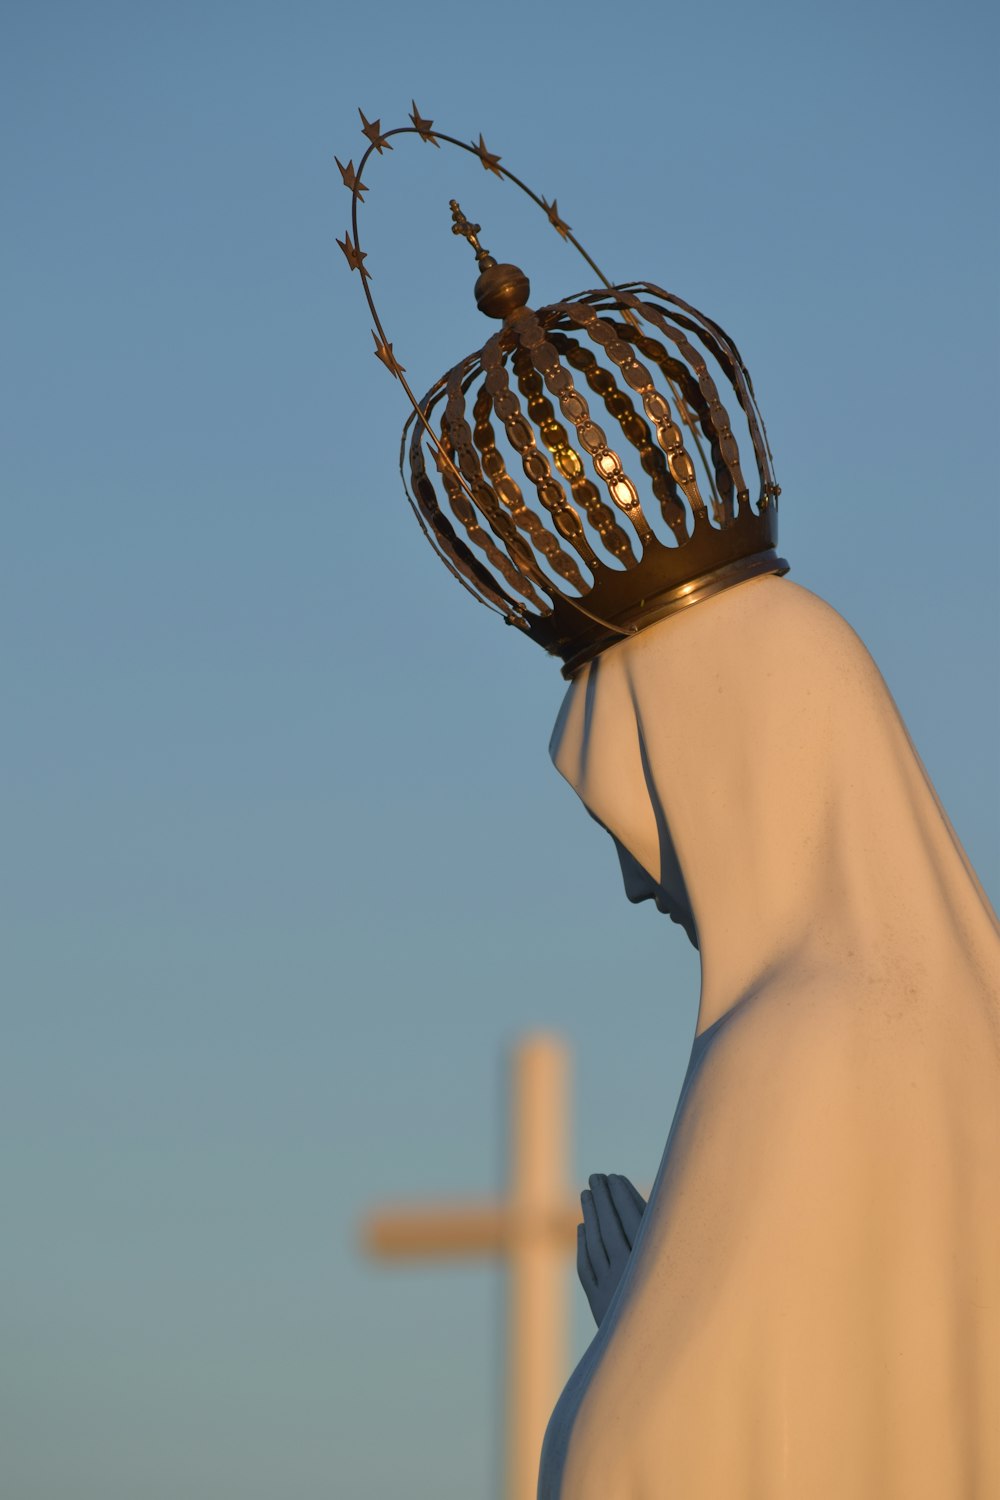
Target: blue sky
{"x":287,"y":869}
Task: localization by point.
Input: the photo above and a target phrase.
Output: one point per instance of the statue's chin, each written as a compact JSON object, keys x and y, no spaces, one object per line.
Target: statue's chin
{"x":665,"y":906}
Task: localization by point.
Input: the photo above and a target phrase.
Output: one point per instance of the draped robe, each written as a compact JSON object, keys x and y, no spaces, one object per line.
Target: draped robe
{"x":811,"y":1310}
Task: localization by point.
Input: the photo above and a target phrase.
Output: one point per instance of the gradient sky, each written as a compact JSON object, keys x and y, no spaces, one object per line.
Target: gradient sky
{"x":287,"y":868}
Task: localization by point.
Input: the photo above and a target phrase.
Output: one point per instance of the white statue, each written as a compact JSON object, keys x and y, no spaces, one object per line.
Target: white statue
{"x":809,"y":1307}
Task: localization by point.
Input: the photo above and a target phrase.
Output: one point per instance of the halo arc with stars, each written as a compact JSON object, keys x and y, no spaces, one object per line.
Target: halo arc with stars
{"x":380,"y":141}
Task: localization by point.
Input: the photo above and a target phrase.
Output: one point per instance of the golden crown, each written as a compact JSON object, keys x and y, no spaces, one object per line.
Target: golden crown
{"x":590,"y":562}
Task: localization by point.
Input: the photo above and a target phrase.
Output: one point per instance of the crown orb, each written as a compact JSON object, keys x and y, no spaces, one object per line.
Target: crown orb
{"x":501,"y":291}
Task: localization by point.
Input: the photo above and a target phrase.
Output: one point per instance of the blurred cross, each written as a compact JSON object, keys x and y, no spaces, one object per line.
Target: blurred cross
{"x":533,"y":1228}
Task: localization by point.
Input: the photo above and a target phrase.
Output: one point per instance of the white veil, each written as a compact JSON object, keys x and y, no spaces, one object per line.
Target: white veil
{"x":812,"y":1307}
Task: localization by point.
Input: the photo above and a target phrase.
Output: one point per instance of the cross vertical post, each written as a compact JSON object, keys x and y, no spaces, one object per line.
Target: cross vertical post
{"x":532,"y":1229}
{"x":536,"y":1289}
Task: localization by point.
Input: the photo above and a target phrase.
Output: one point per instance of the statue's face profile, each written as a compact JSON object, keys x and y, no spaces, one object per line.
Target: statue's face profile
{"x":668,"y":893}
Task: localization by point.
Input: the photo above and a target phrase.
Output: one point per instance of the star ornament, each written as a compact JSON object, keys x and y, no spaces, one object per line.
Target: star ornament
{"x":552,"y":209}
{"x":352,"y":181}
{"x":355,"y":256}
{"x":423,"y":127}
{"x":383,"y":351}
{"x":490,"y":161}
{"x":373,"y":130}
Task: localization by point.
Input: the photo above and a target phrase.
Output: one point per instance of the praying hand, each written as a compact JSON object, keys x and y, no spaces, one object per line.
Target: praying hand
{"x":612,"y":1208}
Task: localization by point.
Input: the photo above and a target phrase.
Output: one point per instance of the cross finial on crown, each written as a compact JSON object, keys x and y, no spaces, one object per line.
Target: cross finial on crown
{"x":460,"y":225}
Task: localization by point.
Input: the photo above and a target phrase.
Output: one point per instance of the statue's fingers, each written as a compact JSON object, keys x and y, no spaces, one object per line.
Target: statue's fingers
{"x":632,"y":1191}
{"x":592,"y":1229}
{"x":628,"y":1213}
{"x":616,"y":1242}
{"x":584,"y":1269}
{"x":628,"y":1202}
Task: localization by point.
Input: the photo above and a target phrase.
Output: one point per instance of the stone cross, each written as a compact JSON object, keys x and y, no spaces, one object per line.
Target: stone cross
{"x":532,"y":1229}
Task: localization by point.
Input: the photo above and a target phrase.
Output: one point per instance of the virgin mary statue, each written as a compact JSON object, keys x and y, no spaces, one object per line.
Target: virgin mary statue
{"x":811,"y":1307}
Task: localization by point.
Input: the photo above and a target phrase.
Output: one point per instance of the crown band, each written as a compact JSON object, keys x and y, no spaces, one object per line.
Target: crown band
{"x":672,"y":600}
